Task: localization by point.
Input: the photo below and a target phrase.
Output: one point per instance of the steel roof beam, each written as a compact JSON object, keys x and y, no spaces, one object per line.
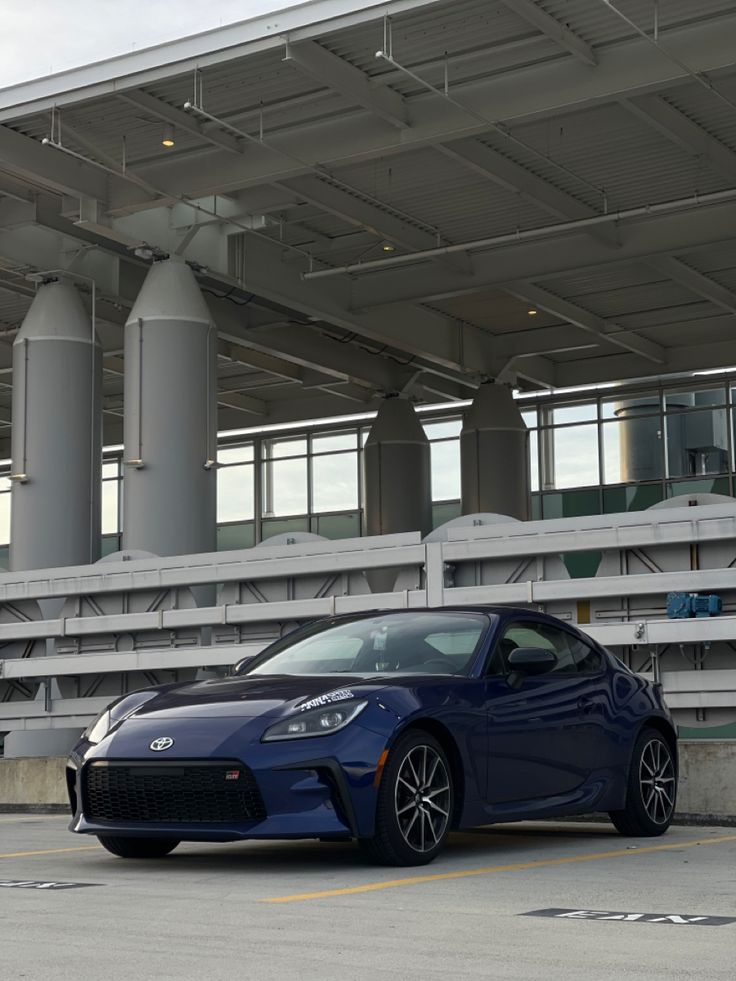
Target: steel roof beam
{"x":624,"y":70}
{"x":679,"y":233}
{"x":181,"y":120}
{"x":695,"y":357}
{"x":337,"y":74}
{"x":561,"y":35}
{"x":363,"y":214}
{"x":696,"y":282}
{"x":30,"y":161}
{"x":494,"y":166}
{"x":587,"y":321}
{"x":657,"y":113}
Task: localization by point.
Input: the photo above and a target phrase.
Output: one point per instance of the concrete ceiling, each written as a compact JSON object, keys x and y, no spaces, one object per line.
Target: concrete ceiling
{"x":364,"y":224}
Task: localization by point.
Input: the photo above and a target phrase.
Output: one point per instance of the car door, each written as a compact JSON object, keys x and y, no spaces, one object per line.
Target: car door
{"x":536,"y":724}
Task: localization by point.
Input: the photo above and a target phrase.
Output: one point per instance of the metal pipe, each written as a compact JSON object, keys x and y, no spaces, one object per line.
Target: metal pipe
{"x":681,"y":204}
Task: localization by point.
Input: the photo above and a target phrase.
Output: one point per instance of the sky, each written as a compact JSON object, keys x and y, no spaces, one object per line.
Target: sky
{"x":41,"y":37}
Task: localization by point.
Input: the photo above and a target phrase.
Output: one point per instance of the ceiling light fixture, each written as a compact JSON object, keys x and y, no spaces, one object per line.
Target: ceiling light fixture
{"x":167,"y":139}
{"x":532,"y":312}
{"x":388,"y":247}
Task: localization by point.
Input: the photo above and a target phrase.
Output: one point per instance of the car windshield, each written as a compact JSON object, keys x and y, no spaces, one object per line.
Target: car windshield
{"x":419,"y":642}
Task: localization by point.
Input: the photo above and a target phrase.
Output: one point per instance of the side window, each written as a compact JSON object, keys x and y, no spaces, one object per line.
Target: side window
{"x":588,"y":661}
{"x":572,"y":654}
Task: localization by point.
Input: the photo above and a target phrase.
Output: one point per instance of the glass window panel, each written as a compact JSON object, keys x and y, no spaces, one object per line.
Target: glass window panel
{"x":697,"y":443}
{"x":616,"y":407}
{"x":536,"y":507}
{"x":632,"y":450}
{"x":637,"y":497}
{"x":235,"y":536}
{"x":445,"y":458}
{"x":110,"y":513}
{"x":689,"y":397}
{"x":335,"y":482}
{"x":576,"y":456}
{"x":235,"y":454}
{"x":530,"y":417}
{"x":445,"y":429}
{"x":708,"y":485}
{"x":111,"y":468}
{"x":287,"y":482}
{"x":575,"y":413}
{"x":364,"y":433}
{"x":4,"y":519}
{"x":276,"y":448}
{"x":235,"y":493}
{"x":445,"y":511}
{"x":283,"y":526}
{"x":570,"y":504}
{"x":334,"y":441}
{"x":337,"y":525}
{"x":110,"y":544}
{"x":534,"y":459}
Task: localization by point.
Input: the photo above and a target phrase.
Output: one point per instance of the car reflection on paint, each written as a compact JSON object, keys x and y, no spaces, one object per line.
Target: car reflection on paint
{"x":390,"y":728}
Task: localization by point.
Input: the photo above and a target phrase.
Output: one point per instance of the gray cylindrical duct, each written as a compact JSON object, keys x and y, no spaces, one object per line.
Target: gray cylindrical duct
{"x":169,"y":500}
{"x":397,"y":472}
{"x":494,"y":455}
{"x":56,"y":436}
{"x":641,"y":437}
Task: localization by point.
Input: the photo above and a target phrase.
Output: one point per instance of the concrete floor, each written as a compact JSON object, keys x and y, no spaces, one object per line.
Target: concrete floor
{"x":204,"y":912}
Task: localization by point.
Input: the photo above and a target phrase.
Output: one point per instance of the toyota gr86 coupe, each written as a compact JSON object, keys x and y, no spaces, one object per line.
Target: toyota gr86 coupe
{"x":391,"y":728}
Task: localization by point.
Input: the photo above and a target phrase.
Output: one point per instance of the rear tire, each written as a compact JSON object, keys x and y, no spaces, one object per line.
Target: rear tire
{"x":138,"y":847}
{"x":651,"y":790}
{"x":415,"y":803}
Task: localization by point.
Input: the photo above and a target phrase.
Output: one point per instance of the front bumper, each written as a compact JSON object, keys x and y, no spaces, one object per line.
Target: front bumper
{"x":321,"y":787}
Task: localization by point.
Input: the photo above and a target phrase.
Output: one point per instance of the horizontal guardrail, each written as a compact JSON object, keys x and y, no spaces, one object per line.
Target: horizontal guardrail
{"x":433,"y":562}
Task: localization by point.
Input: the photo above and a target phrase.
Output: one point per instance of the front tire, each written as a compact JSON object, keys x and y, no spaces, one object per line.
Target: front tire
{"x":138,"y":847}
{"x":415,"y":803}
{"x":652,"y":788}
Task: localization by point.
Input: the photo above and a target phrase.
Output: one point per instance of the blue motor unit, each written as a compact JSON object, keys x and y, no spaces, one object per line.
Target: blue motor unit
{"x":683,"y":606}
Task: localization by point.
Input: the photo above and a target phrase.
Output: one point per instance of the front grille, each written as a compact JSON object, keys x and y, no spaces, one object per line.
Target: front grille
{"x":171,"y":793}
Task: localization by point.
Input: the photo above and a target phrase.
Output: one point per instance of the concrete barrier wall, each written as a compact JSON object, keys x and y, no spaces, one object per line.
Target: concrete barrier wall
{"x":707,"y":781}
{"x":33,"y":783}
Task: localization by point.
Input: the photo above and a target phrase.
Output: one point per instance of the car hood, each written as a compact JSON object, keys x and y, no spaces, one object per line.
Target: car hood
{"x":248,"y":697}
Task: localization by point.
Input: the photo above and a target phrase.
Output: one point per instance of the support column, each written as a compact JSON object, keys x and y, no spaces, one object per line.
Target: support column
{"x":398,"y":492}
{"x":494,"y":455}
{"x":169,"y":499}
{"x":56,"y":434}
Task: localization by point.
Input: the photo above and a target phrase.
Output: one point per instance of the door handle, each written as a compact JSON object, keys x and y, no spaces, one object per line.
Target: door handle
{"x":585,"y":704}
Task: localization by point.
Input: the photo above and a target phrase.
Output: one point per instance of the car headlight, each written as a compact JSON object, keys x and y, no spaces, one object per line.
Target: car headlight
{"x":97,"y":730}
{"x":318,"y":722}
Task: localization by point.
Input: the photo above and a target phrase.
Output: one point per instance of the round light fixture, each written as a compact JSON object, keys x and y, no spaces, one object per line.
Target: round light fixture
{"x":167,"y":139}
{"x":532,"y":312}
{"x":388,"y":247}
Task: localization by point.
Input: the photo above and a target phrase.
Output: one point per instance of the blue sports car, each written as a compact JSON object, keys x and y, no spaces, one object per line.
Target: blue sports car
{"x":391,"y":728}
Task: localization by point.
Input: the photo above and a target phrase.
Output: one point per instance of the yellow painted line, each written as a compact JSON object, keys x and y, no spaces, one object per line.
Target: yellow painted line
{"x":51,"y":851}
{"x":26,"y":818}
{"x":490,"y":870}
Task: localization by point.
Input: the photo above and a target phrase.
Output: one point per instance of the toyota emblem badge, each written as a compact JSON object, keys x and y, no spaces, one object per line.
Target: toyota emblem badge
{"x":162,"y":743}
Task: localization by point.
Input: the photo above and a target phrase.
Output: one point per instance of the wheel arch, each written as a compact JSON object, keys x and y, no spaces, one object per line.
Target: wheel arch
{"x":448,"y":743}
{"x":665,"y":729}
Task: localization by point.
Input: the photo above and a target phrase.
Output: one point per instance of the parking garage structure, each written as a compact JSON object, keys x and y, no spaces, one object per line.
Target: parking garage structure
{"x":325,"y":235}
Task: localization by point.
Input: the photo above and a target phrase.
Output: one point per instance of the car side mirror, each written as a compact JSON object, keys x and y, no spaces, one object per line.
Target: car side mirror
{"x":532,"y":660}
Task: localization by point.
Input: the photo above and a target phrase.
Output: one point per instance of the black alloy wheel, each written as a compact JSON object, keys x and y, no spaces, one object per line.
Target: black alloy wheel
{"x":415,"y":803}
{"x":652,"y":788}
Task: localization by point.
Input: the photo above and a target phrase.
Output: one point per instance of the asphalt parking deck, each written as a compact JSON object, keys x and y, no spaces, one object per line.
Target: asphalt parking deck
{"x":608,"y":908}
